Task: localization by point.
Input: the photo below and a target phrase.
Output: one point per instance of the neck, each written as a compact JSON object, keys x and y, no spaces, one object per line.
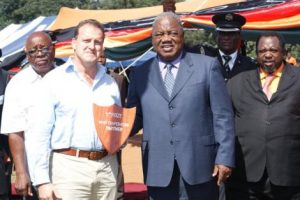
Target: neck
{"x":87,"y":70}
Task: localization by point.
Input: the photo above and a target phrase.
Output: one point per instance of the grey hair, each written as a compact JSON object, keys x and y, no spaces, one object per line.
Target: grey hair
{"x":167,"y":15}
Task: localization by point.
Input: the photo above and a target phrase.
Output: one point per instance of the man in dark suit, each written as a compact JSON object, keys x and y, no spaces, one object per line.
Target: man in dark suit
{"x":186,"y":116}
{"x":267,"y":115}
{"x":228,"y":36}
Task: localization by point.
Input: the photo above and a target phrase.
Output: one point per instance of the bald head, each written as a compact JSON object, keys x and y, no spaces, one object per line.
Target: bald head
{"x":40,"y":52}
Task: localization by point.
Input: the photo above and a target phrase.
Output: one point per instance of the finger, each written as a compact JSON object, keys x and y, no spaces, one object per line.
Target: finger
{"x":215,"y":171}
{"x":29,"y":191}
{"x":220,"y":180}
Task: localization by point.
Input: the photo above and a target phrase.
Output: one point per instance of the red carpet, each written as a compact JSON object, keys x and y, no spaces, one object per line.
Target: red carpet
{"x":135,"y":191}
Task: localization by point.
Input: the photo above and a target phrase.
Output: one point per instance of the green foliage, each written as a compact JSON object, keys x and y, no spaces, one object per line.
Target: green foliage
{"x":199,"y":36}
{"x":21,"y":11}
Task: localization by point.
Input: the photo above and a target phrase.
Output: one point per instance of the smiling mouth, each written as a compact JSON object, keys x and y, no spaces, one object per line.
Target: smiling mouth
{"x":167,"y":47}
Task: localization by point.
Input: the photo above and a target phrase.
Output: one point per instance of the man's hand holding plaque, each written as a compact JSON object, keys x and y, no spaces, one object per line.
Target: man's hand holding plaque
{"x":113,"y":125}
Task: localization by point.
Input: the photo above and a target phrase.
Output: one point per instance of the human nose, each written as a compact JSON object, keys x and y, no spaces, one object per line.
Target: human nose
{"x":268,"y":54}
{"x":91,"y":45}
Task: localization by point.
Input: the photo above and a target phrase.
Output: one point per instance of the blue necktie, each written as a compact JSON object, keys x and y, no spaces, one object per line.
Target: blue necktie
{"x":169,"y":79}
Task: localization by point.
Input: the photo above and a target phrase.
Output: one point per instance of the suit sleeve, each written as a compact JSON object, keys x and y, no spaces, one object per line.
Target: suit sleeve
{"x":133,"y":100}
{"x":223,"y":119}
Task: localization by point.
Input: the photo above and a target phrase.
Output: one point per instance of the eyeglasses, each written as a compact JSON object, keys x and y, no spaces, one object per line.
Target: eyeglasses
{"x":34,"y":52}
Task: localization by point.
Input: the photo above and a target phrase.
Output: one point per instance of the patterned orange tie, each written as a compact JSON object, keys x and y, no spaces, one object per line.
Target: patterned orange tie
{"x":266,"y":87}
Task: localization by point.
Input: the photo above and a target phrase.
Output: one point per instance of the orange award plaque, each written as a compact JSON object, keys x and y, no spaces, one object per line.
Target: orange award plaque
{"x":113,"y":125}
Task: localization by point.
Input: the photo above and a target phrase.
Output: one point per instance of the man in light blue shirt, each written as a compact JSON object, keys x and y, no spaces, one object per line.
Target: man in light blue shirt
{"x":71,"y":161}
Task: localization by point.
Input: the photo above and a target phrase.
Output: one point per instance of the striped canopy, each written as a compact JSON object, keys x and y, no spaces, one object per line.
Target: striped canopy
{"x":128,"y":31}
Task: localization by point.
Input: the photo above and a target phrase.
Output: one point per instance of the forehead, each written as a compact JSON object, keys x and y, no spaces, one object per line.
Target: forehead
{"x":166,"y":23}
{"x":90,"y":31}
{"x":38,"y":40}
{"x":269,"y":41}
{"x":228,"y":33}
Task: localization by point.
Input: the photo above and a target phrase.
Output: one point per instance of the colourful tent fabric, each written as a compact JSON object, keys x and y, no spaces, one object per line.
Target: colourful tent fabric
{"x":68,"y":17}
{"x":13,"y":36}
{"x":129,"y":38}
{"x":128,"y":31}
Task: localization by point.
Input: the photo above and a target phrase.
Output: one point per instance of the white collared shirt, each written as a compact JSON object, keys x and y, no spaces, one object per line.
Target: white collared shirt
{"x":20,"y":96}
{"x":66,"y":113}
{"x":174,"y":70}
{"x":232,"y":61}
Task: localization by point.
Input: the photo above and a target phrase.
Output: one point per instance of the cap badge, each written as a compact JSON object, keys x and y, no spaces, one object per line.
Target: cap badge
{"x":229,"y":17}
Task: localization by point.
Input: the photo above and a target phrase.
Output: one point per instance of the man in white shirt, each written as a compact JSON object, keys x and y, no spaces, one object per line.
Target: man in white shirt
{"x":71,"y":162}
{"x":20,"y":96}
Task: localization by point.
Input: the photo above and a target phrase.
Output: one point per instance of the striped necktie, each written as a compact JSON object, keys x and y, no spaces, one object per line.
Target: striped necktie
{"x":169,"y":79}
{"x":226,"y":64}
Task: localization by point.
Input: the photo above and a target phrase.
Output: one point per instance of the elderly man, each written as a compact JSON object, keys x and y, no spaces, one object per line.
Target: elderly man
{"x":186,"y":116}
{"x":71,"y":160}
{"x":266,"y":103}
{"x":20,"y":96}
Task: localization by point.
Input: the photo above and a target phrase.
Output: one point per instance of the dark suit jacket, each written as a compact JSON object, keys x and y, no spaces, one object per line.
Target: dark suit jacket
{"x":193,"y":126}
{"x":268,"y":132}
{"x":242,"y":63}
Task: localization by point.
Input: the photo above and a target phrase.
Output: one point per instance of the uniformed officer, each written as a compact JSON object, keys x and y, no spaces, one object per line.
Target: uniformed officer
{"x":229,"y":41}
{"x":229,"y":52}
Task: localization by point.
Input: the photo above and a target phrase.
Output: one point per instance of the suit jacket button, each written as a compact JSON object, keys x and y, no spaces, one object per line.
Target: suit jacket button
{"x":268,"y":123}
{"x":171,"y":142}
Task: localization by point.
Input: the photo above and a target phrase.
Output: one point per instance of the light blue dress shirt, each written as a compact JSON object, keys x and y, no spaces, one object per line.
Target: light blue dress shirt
{"x":63,"y":115}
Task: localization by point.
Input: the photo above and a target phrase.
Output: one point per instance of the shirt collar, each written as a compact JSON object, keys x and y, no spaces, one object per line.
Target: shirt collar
{"x":277,"y":73}
{"x":33,"y":76}
{"x":70,"y":67}
{"x":175,"y":62}
{"x":233,"y":56}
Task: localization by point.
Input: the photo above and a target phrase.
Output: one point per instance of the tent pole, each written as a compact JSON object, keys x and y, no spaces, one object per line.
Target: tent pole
{"x":124,"y":70}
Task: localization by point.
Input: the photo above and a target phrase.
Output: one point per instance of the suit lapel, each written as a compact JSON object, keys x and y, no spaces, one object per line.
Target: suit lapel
{"x":254,"y":81}
{"x":287,"y":79}
{"x":184,"y":73}
{"x":156,"y":79}
{"x":222,"y":66}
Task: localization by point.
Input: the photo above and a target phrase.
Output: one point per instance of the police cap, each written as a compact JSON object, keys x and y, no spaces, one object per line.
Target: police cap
{"x":228,"y":22}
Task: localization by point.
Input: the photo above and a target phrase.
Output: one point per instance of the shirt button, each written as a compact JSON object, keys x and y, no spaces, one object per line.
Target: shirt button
{"x":268,"y":123}
{"x":171,"y":107}
{"x":172,"y":124}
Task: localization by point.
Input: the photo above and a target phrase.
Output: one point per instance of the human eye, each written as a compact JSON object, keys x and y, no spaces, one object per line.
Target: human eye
{"x":45,"y":49}
{"x":158,"y":34}
{"x":32,"y":51}
{"x":261,"y":51}
{"x":274,"y":50}
{"x":174,"y":33}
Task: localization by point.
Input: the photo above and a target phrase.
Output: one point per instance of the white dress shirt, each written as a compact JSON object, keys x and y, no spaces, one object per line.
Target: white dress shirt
{"x":232,"y":61}
{"x":174,"y":70}
{"x":64,"y":113}
{"x":20,"y":96}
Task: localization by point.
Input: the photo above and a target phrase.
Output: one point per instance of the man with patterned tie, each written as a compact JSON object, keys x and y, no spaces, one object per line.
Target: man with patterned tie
{"x":228,"y":37}
{"x":186,"y":116}
{"x":267,"y":115}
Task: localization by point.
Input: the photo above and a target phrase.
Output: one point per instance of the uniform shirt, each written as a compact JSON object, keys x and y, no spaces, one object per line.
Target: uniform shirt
{"x":20,"y":95}
{"x":232,"y":61}
{"x":64,"y":113}
{"x":275,"y":82}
